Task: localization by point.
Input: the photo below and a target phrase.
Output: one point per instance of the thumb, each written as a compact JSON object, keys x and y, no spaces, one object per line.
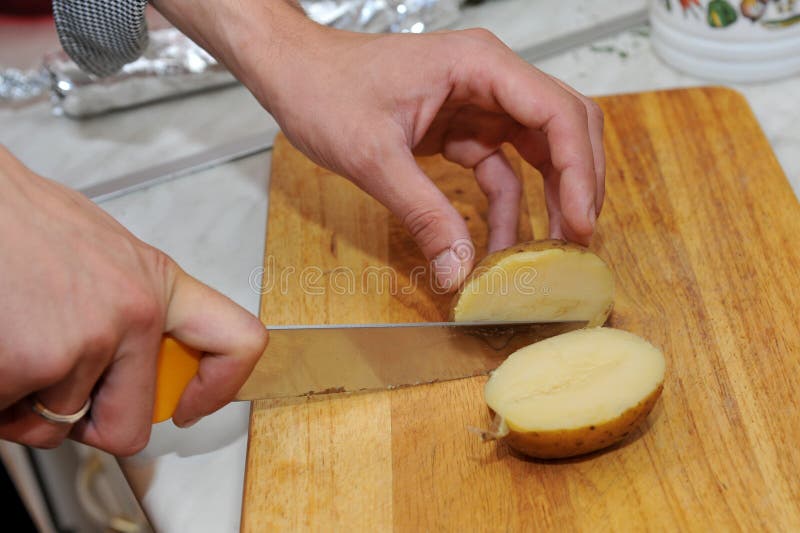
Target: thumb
{"x":430,"y":218}
{"x":230,"y":338}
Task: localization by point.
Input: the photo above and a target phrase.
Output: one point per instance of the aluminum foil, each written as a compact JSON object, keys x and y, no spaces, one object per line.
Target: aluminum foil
{"x":172,"y":65}
{"x":375,"y":16}
{"x":20,"y":85}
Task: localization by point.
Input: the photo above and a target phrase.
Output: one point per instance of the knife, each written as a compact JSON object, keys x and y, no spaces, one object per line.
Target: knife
{"x":324,"y":359}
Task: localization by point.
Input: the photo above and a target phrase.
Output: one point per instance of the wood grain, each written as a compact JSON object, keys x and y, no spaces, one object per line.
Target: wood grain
{"x":699,"y":227}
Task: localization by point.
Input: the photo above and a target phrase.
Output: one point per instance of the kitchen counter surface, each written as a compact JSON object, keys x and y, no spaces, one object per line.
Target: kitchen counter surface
{"x":212,"y":223}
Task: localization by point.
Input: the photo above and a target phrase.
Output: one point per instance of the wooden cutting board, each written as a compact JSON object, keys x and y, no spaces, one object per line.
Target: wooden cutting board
{"x":700,"y":227}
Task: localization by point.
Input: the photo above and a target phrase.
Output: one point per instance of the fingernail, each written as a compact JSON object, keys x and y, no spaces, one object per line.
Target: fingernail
{"x":450,"y":266}
{"x":189,"y":423}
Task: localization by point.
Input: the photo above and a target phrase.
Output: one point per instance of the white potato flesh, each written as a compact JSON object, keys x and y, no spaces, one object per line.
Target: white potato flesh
{"x":575,"y":380}
{"x":551,"y":285}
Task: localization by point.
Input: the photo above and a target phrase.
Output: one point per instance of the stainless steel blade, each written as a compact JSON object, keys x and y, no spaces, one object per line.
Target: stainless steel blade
{"x":302,"y":360}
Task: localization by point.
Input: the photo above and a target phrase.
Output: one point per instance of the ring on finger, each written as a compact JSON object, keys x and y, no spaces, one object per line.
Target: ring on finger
{"x":39,"y":408}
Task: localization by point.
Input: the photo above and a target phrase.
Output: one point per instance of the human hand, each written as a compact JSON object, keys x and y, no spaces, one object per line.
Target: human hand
{"x":84,"y":308}
{"x":364,"y":105}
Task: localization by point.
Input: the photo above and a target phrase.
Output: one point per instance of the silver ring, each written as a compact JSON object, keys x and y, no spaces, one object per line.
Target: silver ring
{"x":44,"y":412}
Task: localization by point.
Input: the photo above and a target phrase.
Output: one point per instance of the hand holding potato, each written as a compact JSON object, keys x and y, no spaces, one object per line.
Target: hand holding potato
{"x":364,"y":105}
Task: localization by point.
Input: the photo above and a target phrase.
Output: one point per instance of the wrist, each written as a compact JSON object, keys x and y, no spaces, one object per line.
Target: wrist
{"x":255,"y":39}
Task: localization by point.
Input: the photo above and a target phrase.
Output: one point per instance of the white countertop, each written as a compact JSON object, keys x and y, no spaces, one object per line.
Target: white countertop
{"x":213,"y":222}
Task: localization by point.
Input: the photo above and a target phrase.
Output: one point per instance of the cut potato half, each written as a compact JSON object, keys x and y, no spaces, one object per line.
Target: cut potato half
{"x":539,"y":281}
{"x":575,"y":393}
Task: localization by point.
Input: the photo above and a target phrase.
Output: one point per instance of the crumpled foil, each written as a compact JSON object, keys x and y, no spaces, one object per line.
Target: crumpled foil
{"x":378,"y":16}
{"x":17,"y":85}
{"x":173,"y":65}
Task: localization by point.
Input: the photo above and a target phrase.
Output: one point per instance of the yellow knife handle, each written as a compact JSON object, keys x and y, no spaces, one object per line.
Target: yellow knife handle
{"x":177,"y":365}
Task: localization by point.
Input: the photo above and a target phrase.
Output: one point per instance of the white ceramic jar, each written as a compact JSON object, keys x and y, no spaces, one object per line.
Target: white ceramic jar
{"x":728,"y":40}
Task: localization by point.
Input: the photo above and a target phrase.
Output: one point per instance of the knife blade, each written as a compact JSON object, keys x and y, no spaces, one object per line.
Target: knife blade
{"x":324,"y":359}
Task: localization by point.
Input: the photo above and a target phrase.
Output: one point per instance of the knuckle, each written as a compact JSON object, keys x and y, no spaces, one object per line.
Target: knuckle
{"x":130,"y":445}
{"x":578,"y":109}
{"x":142,"y":306}
{"x":510,"y":188}
{"x":142,"y":309}
{"x":129,"y":448}
{"x":423,"y":224}
{"x":482,"y":34}
{"x":48,"y":366}
{"x":99,"y":344}
{"x":255,"y":343}
{"x":162,"y":263}
{"x":162,"y":266}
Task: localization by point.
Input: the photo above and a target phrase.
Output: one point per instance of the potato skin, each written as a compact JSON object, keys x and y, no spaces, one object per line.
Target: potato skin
{"x":559,"y":444}
{"x":529,"y":246}
{"x":562,"y":443}
{"x":601,"y":319}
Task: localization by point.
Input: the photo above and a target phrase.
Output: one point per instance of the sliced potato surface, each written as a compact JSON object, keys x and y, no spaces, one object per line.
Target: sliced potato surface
{"x":541,"y":281}
{"x":575,"y":393}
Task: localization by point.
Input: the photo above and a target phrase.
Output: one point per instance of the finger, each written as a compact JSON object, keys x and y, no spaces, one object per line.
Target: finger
{"x":230,"y":338}
{"x":532,"y":146}
{"x":551,"y":196}
{"x":20,"y":424}
{"x":427,"y":214}
{"x":501,"y":186}
{"x":596,"y":126}
{"x":122,"y":405}
{"x":65,"y":397}
{"x":70,"y":394}
{"x":537,"y":102}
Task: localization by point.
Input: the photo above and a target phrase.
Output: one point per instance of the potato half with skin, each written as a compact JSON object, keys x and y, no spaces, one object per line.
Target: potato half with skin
{"x":539,"y":281}
{"x":574,"y":393}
